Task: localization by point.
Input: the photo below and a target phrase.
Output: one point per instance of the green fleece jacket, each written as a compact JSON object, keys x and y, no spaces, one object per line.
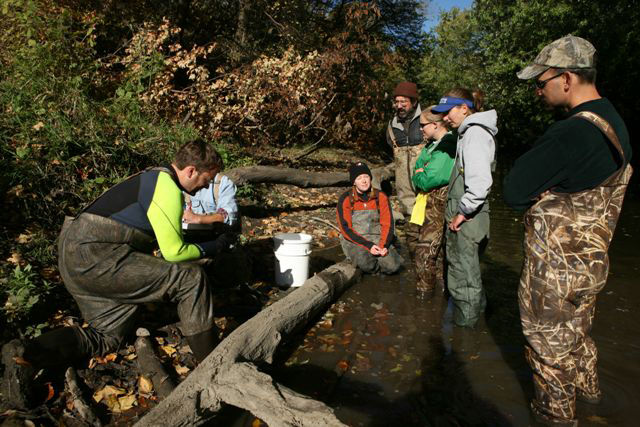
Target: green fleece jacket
{"x":436,"y":160}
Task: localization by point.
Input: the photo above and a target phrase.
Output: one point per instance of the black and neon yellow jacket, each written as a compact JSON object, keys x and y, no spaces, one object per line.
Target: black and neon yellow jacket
{"x":152,"y":203}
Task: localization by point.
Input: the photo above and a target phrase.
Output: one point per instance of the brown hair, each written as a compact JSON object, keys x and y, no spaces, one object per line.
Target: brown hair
{"x":477,"y":96}
{"x":199,"y":154}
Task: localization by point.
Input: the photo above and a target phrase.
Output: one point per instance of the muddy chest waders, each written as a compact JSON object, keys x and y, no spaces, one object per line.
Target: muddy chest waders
{"x":567,"y":237}
{"x":109,"y":270}
{"x":367,"y":224}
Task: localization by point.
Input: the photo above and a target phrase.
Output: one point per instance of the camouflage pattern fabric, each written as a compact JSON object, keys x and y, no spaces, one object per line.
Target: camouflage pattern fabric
{"x":405,"y":159}
{"x":429,"y":252}
{"x":567,"y":238}
{"x":411,"y":236}
{"x":566,"y":52}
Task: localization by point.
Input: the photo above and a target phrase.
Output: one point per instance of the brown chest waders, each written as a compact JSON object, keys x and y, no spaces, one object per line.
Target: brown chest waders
{"x":567,"y":237}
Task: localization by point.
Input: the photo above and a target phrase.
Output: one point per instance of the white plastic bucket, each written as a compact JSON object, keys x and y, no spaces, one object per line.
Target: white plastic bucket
{"x":292,"y":252}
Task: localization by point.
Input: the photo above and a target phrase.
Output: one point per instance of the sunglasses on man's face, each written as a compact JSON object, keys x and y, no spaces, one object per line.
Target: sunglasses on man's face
{"x":540,"y":84}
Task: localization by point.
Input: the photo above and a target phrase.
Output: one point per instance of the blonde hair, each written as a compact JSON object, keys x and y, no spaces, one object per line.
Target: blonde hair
{"x":428,"y":116}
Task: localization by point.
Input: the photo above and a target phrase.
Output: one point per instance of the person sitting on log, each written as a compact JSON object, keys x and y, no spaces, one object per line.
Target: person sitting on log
{"x":215,"y":205}
{"x":366,"y":225}
{"x":209,"y":213}
{"x":106,"y":261}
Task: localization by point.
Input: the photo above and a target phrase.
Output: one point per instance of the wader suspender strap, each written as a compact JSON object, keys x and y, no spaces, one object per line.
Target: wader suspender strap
{"x":216,"y":188}
{"x":392,"y":136}
{"x":216,"y":191}
{"x":374,"y":196}
{"x":156,"y":168}
{"x":608,"y":131}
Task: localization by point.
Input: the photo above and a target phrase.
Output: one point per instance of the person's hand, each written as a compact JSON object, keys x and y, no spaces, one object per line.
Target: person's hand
{"x":456,"y":222}
{"x":227,"y":240}
{"x":384,"y":251}
{"x":213,"y":247}
{"x":375,"y":250}
{"x":189,"y":217}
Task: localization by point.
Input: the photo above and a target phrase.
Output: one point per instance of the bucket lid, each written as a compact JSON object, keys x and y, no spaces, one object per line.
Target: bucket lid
{"x":292,"y":238}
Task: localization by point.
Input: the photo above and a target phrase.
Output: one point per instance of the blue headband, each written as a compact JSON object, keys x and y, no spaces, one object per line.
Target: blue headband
{"x":448,"y":102}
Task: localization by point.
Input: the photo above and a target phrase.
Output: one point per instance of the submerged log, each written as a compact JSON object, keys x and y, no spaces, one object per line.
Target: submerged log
{"x":301,"y":178}
{"x":229,"y":373}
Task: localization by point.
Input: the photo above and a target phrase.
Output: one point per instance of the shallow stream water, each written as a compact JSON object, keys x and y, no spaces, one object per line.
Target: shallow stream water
{"x":384,"y":356}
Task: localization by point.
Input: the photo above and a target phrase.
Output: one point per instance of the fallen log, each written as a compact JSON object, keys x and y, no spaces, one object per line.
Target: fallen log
{"x":87,"y":416}
{"x":150,"y":366}
{"x":301,"y":178}
{"x":229,"y":374}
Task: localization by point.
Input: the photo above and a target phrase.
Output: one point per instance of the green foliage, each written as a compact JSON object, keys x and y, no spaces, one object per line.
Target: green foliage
{"x":451,"y":59}
{"x":91,"y":92}
{"x":23,"y":289}
{"x":485,"y":46}
{"x":61,"y":145}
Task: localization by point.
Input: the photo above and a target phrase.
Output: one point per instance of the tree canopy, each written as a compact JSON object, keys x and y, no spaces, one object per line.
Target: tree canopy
{"x":485,"y":46}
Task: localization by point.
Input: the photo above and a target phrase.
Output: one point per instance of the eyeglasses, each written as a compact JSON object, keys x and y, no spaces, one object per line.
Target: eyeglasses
{"x":428,"y":123}
{"x":540,"y":84}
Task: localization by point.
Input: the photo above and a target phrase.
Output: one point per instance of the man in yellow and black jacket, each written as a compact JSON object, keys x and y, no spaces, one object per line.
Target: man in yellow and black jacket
{"x":106,"y":261}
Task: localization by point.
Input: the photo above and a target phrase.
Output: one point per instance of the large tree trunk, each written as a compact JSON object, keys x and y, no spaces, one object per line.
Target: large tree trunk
{"x":301,"y":178}
{"x":229,"y":375}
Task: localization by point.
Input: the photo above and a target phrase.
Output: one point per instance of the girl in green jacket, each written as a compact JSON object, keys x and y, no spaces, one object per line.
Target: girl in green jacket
{"x":430,"y":179}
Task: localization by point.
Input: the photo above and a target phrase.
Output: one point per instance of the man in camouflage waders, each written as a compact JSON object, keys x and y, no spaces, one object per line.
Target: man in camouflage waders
{"x":405,"y":138}
{"x":106,"y":262}
{"x":572,"y":183}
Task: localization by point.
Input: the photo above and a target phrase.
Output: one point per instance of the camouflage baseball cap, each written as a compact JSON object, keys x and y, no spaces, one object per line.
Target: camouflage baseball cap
{"x":566,"y":52}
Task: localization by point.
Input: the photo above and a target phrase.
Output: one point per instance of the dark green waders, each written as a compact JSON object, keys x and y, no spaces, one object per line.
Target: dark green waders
{"x":463,"y":256}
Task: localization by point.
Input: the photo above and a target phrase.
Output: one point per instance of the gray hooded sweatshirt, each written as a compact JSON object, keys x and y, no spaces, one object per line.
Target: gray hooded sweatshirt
{"x":475,"y":156}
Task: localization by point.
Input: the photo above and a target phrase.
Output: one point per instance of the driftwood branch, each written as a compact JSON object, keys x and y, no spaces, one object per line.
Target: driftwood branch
{"x":301,"y":178}
{"x":276,"y":404}
{"x":229,"y":373}
{"x":149,"y":365}
{"x":75,"y":394}
{"x":324,"y":221}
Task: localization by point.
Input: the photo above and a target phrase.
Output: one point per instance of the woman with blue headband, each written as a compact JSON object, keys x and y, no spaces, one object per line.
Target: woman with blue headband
{"x":467,"y":209}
